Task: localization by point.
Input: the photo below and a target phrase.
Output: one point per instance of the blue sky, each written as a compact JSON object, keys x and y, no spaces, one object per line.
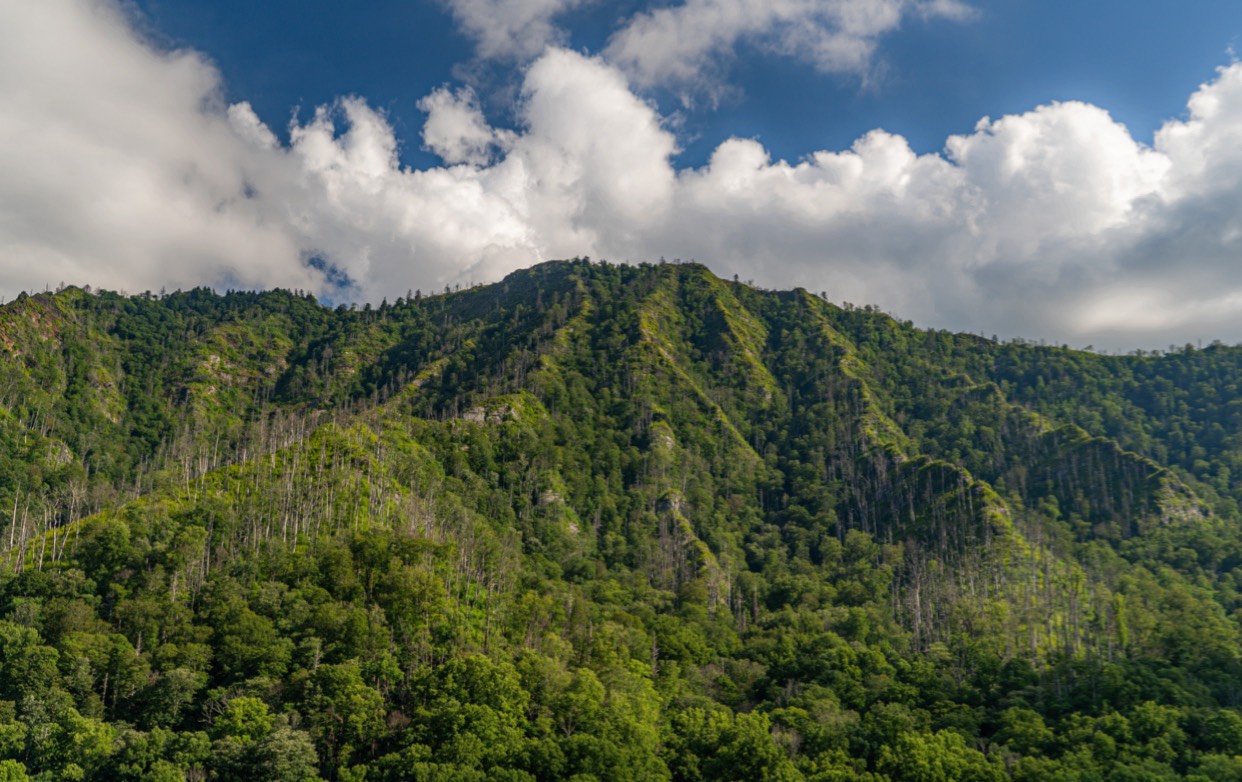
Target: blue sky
{"x":1060,"y":170}
{"x":1139,"y":60}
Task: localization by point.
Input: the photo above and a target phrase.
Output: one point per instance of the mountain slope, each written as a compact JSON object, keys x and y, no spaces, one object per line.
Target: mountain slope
{"x":606,"y":522}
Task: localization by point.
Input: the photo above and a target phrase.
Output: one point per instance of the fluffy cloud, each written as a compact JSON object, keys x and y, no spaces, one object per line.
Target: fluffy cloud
{"x":511,"y":29}
{"x":589,"y":171}
{"x":679,"y":43}
{"x":456,"y":129}
{"x":117,"y":163}
{"x":123,"y":168}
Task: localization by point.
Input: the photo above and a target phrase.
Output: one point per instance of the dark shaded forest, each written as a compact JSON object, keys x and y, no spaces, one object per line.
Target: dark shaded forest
{"x":600,"y":522}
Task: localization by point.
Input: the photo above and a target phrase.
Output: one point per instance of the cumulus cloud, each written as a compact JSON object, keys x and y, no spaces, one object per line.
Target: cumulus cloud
{"x":456,"y":129}
{"x":679,"y":44}
{"x":120,"y":166}
{"x":590,"y":170}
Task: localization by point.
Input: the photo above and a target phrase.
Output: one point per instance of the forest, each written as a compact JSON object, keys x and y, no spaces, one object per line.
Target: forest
{"x":602,"y":522}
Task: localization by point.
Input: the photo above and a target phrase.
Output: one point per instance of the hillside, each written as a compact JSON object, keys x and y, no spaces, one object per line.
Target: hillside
{"x":603,"y":522}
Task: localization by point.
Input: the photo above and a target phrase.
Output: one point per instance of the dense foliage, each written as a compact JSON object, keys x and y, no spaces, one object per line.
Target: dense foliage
{"x":602,"y":522}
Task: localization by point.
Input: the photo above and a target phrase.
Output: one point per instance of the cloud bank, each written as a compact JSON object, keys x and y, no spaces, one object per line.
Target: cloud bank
{"x":120,"y":166}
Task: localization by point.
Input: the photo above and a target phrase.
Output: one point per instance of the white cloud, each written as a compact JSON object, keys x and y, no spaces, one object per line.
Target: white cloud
{"x":389,"y":228}
{"x":680,"y":43}
{"x":590,"y":170}
{"x":685,"y":44}
{"x":456,"y":129}
{"x":121,"y":167}
{"x":511,"y":29}
{"x":117,"y":164}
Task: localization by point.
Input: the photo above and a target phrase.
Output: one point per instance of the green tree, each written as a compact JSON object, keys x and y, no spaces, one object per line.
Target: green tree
{"x":936,"y":757}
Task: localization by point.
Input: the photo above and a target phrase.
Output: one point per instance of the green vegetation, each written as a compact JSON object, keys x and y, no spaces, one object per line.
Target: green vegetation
{"x":602,"y":522}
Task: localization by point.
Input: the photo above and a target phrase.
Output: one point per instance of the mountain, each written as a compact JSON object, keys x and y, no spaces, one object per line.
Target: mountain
{"x":603,"y":522}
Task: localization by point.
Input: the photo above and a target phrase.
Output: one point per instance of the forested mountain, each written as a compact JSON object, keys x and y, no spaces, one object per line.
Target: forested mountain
{"x":602,"y":522}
